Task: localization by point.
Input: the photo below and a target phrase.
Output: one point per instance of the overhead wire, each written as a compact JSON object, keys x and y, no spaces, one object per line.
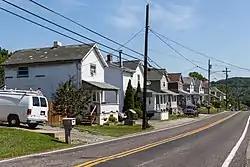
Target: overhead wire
{"x":199,"y":53}
{"x":82,"y":26}
{"x":176,"y":51}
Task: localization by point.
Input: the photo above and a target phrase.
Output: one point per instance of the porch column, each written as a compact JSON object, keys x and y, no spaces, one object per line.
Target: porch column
{"x":117,"y":97}
{"x":100,"y":96}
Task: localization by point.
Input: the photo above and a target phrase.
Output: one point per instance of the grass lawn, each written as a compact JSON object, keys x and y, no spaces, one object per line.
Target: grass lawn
{"x":17,"y":142}
{"x":174,"y":117}
{"x":203,"y":110}
{"x":112,"y":130}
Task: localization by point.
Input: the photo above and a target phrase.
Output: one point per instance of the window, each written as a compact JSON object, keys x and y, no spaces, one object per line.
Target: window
{"x":43,"y":102}
{"x":165,"y":101}
{"x":94,"y":96}
{"x":92,"y":69}
{"x":138,"y":77}
{"x":161,"y":99}
{"x":36,"y":101}
{"x":164,"y":84}
{"x":23,"y":72}
{"x":157,"y":99}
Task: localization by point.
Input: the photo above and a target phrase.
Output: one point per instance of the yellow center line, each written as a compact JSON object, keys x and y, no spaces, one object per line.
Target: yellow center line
{"x":142,"y":148}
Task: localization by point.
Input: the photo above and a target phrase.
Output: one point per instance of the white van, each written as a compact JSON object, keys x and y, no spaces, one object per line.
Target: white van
{"x":23,"y":106}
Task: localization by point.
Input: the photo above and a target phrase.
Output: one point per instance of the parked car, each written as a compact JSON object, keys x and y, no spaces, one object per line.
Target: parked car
{"x":191,"y":110}
{"x":23,"y":106}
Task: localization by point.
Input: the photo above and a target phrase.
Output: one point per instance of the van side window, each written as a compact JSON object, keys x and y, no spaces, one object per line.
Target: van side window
{"x":43,"y":102}
{"x":35,"y":101}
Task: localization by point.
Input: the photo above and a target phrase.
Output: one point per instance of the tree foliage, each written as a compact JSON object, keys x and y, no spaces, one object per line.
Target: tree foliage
{"x":196,"y":75}
{"x":129,"y":98}
{"x":69,"y":100}
{"x":4,"y":54}
{"x":138,"y":97}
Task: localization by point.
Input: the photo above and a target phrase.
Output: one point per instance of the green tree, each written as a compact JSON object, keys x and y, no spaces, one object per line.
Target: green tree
{"x":138,"y":97}
{"x":4,"y":54}
{"x":129,"y":98}
{"x":196,"y":75}
{"x":69,"y":100}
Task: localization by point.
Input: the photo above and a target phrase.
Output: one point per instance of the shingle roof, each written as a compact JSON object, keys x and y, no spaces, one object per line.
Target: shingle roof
{"x":101,"y":85}
{"x":49,"y":54}
{"x":174,"y":76}
{"x":188,"y":80}
{"x":156,"y":74}
{"x":131,"y":64}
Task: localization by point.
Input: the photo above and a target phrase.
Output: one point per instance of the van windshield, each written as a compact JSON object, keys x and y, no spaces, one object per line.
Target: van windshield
{"x":43,"y":102}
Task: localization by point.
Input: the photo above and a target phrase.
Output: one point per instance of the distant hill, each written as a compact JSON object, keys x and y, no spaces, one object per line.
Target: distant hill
{"x":236,"y":86}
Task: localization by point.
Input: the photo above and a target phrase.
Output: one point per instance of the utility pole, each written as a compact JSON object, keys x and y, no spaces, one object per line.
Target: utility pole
{"x":226,"y":72}
{"x":144,"y":120}
{"x":120,"y":58}
{"x":209,"y":74}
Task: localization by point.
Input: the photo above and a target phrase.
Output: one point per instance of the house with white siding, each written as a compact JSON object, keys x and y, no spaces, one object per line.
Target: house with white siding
{"x":45,"y":68}
{"x":160,"y":99}
{"x":119,"y":74}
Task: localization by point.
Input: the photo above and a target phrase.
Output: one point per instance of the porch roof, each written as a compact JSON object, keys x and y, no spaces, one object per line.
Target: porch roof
{"x":100,"y":85}
{"x":169,"y":92}
{"x":195,"y":93}
{"x":182,"y":92}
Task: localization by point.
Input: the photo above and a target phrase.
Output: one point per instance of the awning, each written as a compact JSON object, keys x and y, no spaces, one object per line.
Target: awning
{"x":99,"y":85}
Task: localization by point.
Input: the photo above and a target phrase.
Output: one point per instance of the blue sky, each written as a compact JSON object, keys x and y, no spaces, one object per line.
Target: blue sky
{"x":218,"y":28}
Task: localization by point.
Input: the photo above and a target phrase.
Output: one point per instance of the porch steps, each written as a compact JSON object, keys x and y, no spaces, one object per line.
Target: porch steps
{"x":88,"y":120}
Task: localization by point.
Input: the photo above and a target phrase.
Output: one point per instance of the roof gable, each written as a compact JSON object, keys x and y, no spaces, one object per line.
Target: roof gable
{"x":175,"y":77}
{"x":52,"y":54}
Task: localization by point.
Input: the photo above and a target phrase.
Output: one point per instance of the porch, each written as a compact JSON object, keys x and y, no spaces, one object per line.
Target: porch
{"x":184,"y":98}
{"x":99,"y":110}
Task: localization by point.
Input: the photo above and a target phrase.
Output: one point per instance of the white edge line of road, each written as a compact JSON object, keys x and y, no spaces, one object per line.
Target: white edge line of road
{"x":231,"y":155}
{"x":107,"y":141}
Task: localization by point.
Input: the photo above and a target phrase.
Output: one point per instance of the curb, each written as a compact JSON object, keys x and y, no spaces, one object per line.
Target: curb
{"x":107,"y":141}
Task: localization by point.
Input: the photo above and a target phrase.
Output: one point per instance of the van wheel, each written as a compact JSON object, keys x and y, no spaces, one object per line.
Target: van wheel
{"x":13,"y":120}
{"x":32,"y":125}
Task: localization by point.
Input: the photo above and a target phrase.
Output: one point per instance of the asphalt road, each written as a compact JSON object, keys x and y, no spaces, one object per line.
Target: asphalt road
{"x":204,"y":147}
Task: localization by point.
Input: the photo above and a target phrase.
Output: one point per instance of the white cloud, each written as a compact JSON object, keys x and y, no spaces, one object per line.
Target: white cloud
{"x":173,"y":16}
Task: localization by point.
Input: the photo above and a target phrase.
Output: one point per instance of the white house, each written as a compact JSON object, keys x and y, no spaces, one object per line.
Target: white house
{"x":45,"y":68}
{"x":160,"y":99}
{"x":119,"y":74}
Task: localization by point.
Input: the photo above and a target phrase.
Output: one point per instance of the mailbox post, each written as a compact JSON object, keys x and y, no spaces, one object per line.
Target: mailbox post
{"x":68,"y":124}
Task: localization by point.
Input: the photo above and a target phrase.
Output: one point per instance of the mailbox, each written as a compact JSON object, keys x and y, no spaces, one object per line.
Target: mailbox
{"x":68,"y":124}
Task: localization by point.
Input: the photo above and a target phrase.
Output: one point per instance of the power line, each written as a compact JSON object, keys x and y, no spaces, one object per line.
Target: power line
{"x":51,"y":22}
{"x":177,"y":51}
{"x":71,"y":20}
{"x":55,"y":31}
{"x":130,"y":39}
{"x":199,"y":53}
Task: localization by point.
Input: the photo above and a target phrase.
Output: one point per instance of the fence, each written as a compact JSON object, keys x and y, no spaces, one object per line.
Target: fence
{"x":53,"y":119}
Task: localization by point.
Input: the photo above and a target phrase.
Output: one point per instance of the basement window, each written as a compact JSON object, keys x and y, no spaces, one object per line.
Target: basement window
{"x":23,"y":72}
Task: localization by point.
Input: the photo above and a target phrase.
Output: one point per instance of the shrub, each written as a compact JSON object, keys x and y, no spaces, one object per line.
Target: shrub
{"x":112,"y":119}
{"x":139,"y":113}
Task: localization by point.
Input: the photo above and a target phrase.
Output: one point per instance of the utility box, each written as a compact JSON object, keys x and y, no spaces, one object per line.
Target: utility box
{"x":68,"y":124}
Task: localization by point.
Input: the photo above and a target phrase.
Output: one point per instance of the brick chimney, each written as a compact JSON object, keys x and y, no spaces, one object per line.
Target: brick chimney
{"x":109,"y":58}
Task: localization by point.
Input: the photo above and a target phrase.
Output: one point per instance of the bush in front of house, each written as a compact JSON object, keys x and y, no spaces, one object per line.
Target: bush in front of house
{"x":129,"y":98}
{"x":69,"y":100}
{"x":112,"y":119}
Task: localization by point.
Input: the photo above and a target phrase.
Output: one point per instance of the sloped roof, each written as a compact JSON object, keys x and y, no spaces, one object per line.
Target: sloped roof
{"x":131,"y":64}
{"x":100,"y":85}
{"x":156,"y":74}
{"x":174,"y":77}
{"x":188,"y":80}
{"x":50,"y":54}
{"x":197,"y":82}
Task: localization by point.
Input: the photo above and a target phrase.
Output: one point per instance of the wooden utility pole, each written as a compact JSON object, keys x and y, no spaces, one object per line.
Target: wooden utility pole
{"x":209,"y":77}
{"x":226,"y":72}
{"x":144,"y":120}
